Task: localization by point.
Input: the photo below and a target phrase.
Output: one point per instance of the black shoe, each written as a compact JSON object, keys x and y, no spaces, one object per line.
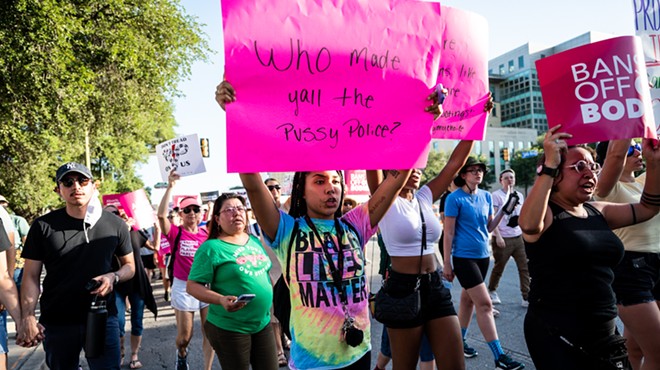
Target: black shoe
{"x":181,"y":362}
{"x":166,"y":296}
{"x":507,"y":363}
{"x":468,"y":351}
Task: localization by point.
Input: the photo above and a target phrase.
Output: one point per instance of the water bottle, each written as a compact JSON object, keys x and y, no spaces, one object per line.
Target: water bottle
{"x":95,"y":331}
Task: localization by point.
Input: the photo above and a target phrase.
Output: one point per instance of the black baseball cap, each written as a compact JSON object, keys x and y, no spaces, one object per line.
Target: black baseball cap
{"x":72,"y":167}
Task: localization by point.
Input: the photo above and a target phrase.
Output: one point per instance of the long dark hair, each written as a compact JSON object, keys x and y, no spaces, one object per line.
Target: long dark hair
{"x":298,"y":205}
{"x":214,"y":226}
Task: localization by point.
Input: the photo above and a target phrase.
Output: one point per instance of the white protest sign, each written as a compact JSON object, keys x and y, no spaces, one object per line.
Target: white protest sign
{"x":182,"y":155}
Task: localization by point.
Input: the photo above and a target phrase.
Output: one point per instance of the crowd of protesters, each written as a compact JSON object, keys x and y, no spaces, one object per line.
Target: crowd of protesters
{"x":267,"y":277}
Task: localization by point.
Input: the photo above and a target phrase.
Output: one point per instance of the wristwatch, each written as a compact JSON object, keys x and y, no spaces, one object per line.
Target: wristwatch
{"x":116,"y":277}
{"x":545,"y":170}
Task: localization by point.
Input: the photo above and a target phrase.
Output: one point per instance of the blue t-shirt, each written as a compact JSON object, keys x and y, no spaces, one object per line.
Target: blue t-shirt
{"x":471,"y":232}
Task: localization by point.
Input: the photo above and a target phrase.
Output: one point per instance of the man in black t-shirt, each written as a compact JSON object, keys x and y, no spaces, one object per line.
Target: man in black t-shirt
{"x":76,"y":244}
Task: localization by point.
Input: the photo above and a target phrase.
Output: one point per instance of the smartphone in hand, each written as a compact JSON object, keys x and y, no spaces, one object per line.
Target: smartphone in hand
{"x":245,"y":298}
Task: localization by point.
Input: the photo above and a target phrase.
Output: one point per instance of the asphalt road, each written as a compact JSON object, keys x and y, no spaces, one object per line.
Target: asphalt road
{"x":158,"y":349}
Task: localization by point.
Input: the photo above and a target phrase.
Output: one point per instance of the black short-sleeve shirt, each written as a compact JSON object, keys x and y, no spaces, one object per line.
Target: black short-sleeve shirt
{"x":58,"y":241}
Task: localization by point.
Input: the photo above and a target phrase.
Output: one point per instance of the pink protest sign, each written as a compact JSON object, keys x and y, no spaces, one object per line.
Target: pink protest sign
{"x":330,"y":84}
{"x":598,"y":91}
{"x":136,"y":205}
{"x":356,"y":182}
{"x":463,"y":71}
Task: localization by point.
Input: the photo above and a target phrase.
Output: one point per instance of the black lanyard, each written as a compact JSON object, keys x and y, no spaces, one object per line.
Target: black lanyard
{"x":336,"y":273}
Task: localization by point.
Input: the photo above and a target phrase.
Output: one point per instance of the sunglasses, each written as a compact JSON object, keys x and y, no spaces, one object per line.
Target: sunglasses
{"x":187,"y":210}
{"x":68,"y":182}
{"x":581,"y":165}
{"x":273,"y":187}
{"x":632,"y":149}
{"x":475,"y":171}
{"x":233,"y":210}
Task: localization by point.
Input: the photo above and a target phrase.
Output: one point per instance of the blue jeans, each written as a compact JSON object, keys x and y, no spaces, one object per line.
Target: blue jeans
{"x":137,"y":313}
{"x":3,"y":332}
{"x":63,"y":344}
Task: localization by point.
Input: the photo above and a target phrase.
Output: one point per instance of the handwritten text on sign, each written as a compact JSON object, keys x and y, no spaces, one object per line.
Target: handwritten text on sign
{"x":598,"y":91}
{"x":182,"y":154}
{"x":463,"y":70}
{"x":340,"y":84}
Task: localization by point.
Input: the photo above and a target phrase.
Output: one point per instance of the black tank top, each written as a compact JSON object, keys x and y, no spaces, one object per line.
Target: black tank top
{"x":571,"y":268}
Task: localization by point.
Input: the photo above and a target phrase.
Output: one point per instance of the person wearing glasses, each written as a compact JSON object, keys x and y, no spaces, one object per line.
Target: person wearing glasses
{"x":229,"y":264}
{"x":572,"y":253}
{"x":637,"y":277}
{"x":469,"y":218}
{"x":76,"y":244}
{"x":184,"y":240}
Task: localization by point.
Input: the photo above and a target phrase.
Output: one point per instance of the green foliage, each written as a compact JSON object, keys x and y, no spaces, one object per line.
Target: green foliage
{"x":489,"y":177}
{"x":104,"y":68}
{"x":525,"y":168}
{"x":434,"y":164}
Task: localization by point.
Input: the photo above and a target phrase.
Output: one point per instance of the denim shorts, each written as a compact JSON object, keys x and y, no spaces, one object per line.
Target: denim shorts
{"x":3,"y":332}
{"x":636,"y":278}
{"x":435,"y":297}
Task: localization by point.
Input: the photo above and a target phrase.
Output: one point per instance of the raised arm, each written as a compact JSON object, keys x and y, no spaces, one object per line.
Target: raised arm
{"x":374,"y":178}
{"x":456,"y":161}
{"x":165,"y":202}
{"x":612,"y":167}
{"x":263,"y":205}
{"x":620,"y":215}
{"x":384,"y":196}
{"x":534,"y":216}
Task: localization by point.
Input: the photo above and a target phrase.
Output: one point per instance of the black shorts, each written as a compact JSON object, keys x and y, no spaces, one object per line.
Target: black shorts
{"x":148,"y":261}
{"x":435,"y":297}
{"x":636,"y":278}
{"x":470,"y":271}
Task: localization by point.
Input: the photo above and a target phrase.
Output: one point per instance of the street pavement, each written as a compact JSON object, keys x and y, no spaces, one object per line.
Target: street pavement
{"x":159,"y":352}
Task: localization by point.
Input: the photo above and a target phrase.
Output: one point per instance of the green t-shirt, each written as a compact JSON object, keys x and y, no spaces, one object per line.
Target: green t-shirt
{"x":234,"y":270}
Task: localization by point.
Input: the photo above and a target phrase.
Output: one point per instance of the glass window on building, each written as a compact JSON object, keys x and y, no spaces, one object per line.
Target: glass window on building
{"x":521,"y":62}
{"x":477,"y":147}
{"x":491,"y":149}
{"x":511,"y":69}
{"x":502,"y":69}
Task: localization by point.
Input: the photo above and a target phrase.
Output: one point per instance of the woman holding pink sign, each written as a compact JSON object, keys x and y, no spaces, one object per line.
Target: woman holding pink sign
{"x":322,"y":257}
{"x":637,"y":277}
{"x":572,"y":251}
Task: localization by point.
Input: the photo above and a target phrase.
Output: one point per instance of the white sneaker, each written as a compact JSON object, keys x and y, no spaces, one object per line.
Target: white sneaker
{"x":525,"y":303}
{"x":494,"y":297}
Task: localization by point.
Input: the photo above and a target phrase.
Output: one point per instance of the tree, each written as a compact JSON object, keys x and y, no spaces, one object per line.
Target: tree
{"x":434,"y":164}
{"x":525,"y":168}
{"x":103,"y":70}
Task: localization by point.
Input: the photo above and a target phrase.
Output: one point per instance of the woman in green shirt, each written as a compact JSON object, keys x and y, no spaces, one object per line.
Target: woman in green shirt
{"x":231,"y":263}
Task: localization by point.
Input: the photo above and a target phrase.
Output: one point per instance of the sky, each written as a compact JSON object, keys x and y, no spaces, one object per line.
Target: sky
{"x":511,"y":23}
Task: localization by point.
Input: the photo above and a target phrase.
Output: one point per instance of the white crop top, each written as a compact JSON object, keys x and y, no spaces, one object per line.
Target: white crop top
{"x":401,"y":227}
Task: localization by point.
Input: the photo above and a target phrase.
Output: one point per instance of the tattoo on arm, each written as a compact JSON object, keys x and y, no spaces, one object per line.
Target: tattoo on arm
{"x":375,"y":205}
{"x":394,"y":173}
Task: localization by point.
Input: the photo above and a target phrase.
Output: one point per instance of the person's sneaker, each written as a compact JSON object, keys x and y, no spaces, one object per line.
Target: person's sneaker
{"x":507,"y":363}
{"x":182,"y":362}
{"x":525,"y":303}
{"x":494,"y":297}
{"x":468,"y":351}
{"x":496,"y":313}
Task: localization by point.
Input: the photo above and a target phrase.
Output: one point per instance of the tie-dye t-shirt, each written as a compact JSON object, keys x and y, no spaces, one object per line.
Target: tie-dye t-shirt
{"x":316,"y":310}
